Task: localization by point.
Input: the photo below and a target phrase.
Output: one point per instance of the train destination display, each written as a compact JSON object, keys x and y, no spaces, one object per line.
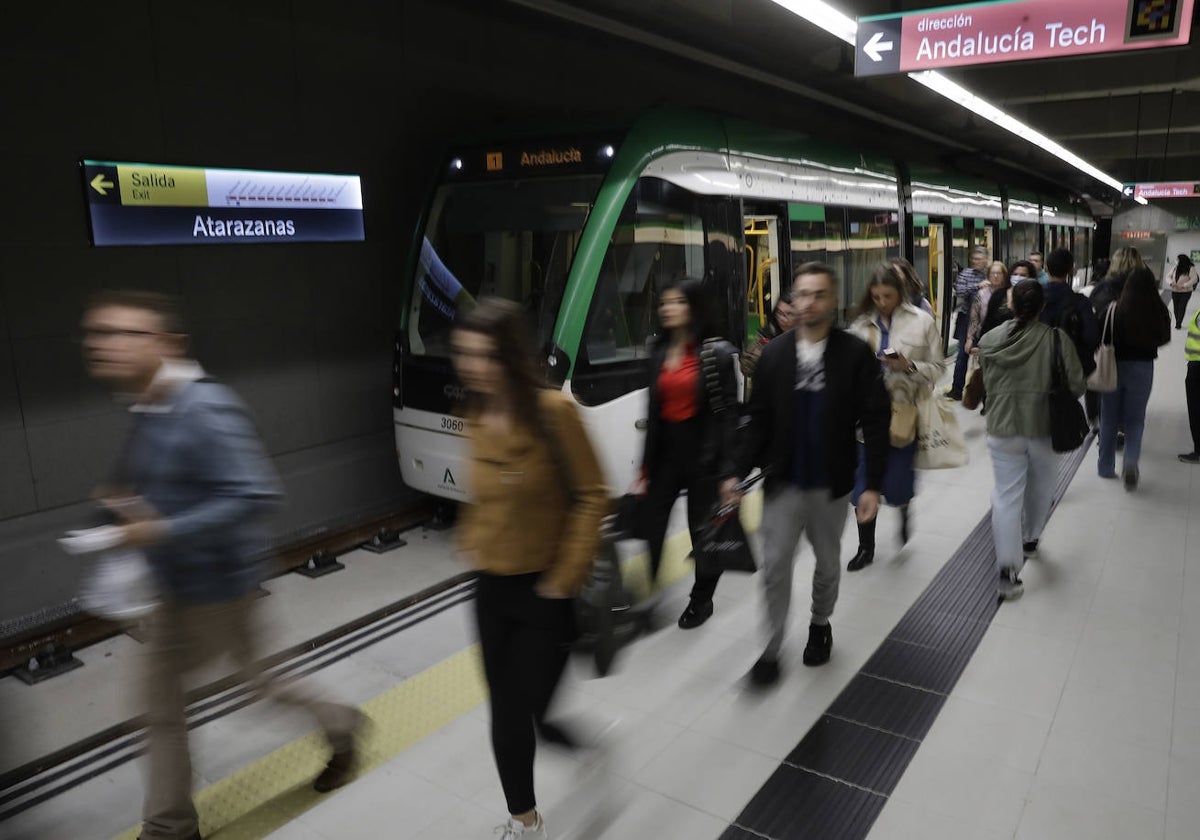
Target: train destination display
{"x":163,"y":204}
{"x":1015,"y":30}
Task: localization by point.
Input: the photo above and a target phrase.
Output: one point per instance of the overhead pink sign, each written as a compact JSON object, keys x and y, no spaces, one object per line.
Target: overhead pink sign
{"x":1017,"y":30}
{"x":1175,"y":189}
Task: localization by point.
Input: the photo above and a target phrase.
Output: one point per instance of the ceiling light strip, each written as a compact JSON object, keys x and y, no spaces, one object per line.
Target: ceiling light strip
{"x":835,"y":22}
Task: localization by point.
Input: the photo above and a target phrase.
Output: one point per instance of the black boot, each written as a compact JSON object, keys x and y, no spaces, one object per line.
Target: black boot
{"x":820,"y":643}
{"x":866,"y":547}
{"x":903,"y":524}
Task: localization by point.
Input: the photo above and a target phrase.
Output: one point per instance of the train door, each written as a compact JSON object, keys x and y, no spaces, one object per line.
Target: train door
{"x":767,"y":263}
{"x":934,"y":254}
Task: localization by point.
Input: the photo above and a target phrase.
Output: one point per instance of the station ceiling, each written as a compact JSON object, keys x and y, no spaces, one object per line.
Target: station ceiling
{"x":1134,"y":115}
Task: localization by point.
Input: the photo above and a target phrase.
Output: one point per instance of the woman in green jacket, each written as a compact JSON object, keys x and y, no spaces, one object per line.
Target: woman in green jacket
{"x":1017,"y":361}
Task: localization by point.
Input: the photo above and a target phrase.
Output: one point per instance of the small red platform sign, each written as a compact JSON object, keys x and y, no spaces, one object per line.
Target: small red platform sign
{"x":1016,"y":30}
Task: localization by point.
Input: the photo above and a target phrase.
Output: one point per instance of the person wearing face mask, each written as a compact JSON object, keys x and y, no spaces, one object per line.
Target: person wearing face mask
{"x":999,"y":308}
{"x":908,"y":345}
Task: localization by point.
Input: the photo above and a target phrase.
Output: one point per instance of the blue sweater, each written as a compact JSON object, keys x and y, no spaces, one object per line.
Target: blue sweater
{"x":198,"y":461}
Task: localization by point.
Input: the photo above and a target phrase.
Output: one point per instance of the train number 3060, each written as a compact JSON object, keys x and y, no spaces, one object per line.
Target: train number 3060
{"x":453,"y":424}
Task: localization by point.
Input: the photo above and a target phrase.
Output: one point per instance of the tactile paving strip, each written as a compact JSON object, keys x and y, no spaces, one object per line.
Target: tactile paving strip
{"x":263,"y":797}
{"x":836,"y":781}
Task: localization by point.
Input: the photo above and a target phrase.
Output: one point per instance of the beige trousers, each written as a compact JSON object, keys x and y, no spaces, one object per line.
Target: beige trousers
{"x":180,"y":639}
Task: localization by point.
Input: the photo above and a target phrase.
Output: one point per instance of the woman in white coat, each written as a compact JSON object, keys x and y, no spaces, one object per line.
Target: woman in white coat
{"x":1182,"y":282}
{"x":909,"y":348}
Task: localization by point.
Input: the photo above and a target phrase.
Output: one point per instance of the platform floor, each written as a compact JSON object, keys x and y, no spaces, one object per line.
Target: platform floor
{"x":1078,"y":716}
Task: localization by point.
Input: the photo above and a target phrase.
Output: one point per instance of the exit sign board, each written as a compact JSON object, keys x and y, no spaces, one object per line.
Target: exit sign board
{"x":1016,"y":30}
{"x":165,"y":204}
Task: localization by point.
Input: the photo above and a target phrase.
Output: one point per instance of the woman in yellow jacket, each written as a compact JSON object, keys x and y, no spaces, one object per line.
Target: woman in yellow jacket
{"x":538,"y":498}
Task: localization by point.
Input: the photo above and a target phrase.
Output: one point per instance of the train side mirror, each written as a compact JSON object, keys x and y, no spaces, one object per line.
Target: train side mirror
{"x":556,"y":364}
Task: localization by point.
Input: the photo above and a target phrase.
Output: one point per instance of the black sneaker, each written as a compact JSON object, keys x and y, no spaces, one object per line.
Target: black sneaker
{"x":1190,"y":457}
{"x":1011,"y":588}
{"x":820,"y":643}
{"x":337,"y":772}
{"x":904,"y":526}
{"x":695,"y":614}
{"x":1029,"y":548}
{"x":1131,"y":479}
{"x":765,"y":671}
{"x":864,"y":558}
{"x":954,"y":395}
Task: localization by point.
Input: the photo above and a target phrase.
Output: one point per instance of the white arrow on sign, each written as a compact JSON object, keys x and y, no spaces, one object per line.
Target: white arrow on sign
{"x":877,"y":45}
{"x":1128,"y":191}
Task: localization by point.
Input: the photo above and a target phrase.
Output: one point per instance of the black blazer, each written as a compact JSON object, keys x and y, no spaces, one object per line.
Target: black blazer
{"x":854,"y":396}
{"x":717,"y":455}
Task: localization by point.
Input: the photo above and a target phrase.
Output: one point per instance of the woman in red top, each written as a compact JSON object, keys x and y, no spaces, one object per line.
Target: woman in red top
{"x":689,"y":443}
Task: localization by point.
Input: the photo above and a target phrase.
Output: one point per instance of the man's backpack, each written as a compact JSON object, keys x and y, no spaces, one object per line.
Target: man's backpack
{"x":1070,"y":322}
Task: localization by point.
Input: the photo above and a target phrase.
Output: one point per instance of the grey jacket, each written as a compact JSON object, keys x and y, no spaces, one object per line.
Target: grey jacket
{"x":1017,"y":369}
{"x":197,"y":460}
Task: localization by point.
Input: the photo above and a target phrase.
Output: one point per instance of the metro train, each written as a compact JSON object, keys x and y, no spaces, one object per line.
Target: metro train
{"x":583,"y":228}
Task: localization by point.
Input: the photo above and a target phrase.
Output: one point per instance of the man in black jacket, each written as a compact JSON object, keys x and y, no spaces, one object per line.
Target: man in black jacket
{"x":1070,"y":311}
{"x":813,"y":387}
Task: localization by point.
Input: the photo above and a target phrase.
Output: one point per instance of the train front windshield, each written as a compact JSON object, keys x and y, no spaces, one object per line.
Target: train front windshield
{"x":513,"y":239}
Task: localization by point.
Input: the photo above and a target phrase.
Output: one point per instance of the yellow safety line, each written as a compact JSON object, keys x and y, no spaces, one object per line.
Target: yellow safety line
{"x":271,"y":792}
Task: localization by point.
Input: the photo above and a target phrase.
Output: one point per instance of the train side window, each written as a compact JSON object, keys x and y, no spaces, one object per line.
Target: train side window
{"x":659,"y":236}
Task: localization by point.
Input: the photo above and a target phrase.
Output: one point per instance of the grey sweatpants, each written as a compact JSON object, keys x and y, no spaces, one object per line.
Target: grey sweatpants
{"x":789,"y":512}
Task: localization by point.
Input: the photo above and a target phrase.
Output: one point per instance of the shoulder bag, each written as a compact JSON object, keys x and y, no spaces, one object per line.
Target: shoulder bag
{"x":604,"y":619}
{"x":973,"y":392}
{"x":940,"y":442}
{"x":1068,"y":423}
{"x":1103,"y":379}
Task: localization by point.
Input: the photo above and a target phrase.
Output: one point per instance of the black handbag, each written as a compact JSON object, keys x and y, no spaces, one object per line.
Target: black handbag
{"x":630,"y":522}
{"x":722,"y":545}
{"x":1068,"y":422}
{"x":605,"y":620}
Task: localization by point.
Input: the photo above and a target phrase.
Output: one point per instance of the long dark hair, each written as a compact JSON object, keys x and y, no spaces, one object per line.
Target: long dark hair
{"x":883,"y":275}
{"x":1028,"y":300}
{"x":1183,"y":266}
{"x":503,"y":321}
{"x":692,"y":289}
{"x":908,"y":276}
{"x":785,"y":296}
{"x":1140,"y":309}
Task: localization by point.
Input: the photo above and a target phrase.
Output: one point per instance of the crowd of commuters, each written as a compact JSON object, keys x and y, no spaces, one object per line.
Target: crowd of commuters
{"x":821,"y":422}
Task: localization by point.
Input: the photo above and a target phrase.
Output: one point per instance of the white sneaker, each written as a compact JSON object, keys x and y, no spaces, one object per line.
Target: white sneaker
{"x":517,"y":830}
{"x":1011,"y":588}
